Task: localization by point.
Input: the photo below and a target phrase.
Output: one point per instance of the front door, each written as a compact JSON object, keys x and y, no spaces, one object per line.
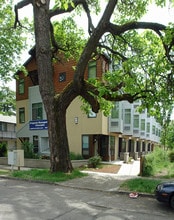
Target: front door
{"x":104,"y":147}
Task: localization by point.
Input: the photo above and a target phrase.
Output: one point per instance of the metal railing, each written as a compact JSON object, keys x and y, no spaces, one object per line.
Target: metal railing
{"x":8,"y":134}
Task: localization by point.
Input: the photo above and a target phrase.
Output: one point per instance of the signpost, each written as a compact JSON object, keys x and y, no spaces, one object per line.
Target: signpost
{"x":38,"y":125}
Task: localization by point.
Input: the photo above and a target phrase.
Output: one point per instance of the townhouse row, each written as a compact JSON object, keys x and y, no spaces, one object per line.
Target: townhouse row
{"x":126,"y":130}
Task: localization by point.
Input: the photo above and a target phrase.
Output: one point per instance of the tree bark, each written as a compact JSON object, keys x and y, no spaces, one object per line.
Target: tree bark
{"x":56,"y":113}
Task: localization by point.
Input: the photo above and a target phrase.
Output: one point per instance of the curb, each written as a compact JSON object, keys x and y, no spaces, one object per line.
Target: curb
{"x":61,"y":184}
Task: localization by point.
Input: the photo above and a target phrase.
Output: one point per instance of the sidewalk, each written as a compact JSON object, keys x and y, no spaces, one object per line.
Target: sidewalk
{"x":105,"y":181}
{"x":100,"y":181}
{"x":130,"y":169}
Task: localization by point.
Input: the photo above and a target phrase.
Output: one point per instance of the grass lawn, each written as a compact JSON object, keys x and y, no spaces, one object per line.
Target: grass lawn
{"x":143,"y":185}
{"x":45,"y":175}
{"x":4,"y":172}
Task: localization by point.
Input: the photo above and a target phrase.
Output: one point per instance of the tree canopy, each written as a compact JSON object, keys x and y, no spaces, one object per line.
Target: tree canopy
{"x":11,"y":44}
{"x":140,"y":53}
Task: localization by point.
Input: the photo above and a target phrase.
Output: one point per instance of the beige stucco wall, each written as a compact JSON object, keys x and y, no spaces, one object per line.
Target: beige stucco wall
{"x":85,"y":125}
{"x":22,"y":104}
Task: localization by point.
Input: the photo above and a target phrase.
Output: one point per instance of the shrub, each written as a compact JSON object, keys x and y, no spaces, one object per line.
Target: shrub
{"x":154,"y":161}
{"x":74,"y":156}
{"x":28,"y":150}
{"x":148,"y":165}
{"x":171,"y":156}
{"x":94,"y":161}
{"x":3,"y":149}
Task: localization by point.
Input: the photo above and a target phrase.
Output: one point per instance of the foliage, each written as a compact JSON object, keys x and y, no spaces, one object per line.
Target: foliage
{"x":170,"y":171}
{"x":93,"y":162}
{"x":74,"y":156}
{"x":3,"y":149}
{"x":7,"y":101}
{"x":141,"y":61}
{"x":4,"y":172}
{"x":11,"y":44}
{"x":140,"y":185}
{"x":28,"y":150}
{"x":67,"y":32}
{"x":45,"y":175}
{"x":154,"y":162}
{"x":167,"y":137}
{"x":9,"y":54}
{"x":148,"y":165}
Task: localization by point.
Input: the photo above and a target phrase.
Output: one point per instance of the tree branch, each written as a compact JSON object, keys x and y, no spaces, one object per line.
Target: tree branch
{"x":113,"y":52}
{"x":90,"y":94}
{"x":120,"y":29}
{"x":19,"y":5}
{"x":58,"y":11}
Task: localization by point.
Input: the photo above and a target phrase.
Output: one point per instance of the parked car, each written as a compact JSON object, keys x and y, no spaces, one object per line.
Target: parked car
{"x":164,"y":192}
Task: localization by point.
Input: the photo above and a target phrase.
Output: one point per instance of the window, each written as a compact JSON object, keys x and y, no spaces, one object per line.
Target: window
{"x":92,"y":70}
{"x":3,"y":126}
{"x":21,"y":115}
{"x":37,"y":113}
{"x":21,"y":86}
{"x":127,"y":119}
{"x":136,"y":121}
{"x":148,"y":127}
{"x":115,"y":110}
{"x":159,"y":134}
{"x":92,"y":114}
{"x":85,"y":145}
{"x":153,"y":129}
{"x":62,"y":77}
{"x":142,"y":124}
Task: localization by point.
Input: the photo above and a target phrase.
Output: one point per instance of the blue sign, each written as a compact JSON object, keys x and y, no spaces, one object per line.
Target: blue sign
{"x":38,"y":125}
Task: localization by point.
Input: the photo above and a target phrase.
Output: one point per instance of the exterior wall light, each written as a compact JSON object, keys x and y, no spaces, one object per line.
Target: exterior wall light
{"x":76,"y":120}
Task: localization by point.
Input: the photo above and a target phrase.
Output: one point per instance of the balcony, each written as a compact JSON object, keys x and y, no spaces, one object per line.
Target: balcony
{"x":7,"y":135}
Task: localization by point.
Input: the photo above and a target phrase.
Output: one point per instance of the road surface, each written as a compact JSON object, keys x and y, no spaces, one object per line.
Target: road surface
{"x":22,"y":200}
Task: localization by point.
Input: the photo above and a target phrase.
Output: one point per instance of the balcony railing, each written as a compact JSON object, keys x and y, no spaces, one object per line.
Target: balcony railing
{"x":8,"y":134}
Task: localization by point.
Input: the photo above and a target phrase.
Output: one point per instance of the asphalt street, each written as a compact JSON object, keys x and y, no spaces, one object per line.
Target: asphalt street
{"x":24,"y":200}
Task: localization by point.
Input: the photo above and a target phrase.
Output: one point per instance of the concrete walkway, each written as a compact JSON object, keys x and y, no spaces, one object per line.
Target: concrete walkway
{"x":101,"y":181}
{"x":129,"y":169}
{"x":105,"y":181}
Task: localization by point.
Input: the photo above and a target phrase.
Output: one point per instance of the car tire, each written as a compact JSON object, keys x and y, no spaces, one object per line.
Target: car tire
{"x":172,"y":202}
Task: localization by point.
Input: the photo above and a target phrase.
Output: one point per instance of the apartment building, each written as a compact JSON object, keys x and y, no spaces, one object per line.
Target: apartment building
{"x":124,"y":131}
{"x":8,"y":131}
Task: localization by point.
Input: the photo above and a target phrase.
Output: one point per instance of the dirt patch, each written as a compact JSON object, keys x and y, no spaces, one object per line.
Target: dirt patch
{"x":107,"y":168}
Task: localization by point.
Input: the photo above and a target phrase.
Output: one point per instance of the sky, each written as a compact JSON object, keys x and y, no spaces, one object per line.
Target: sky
{"x":154,"y":14}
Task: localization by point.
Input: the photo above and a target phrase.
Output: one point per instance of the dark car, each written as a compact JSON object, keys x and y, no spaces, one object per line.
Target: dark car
{"x":164,"y":192}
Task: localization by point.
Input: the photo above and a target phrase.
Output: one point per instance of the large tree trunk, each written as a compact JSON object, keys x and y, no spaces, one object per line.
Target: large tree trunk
{"x":56,"y":116}
{"x":60,"y":155}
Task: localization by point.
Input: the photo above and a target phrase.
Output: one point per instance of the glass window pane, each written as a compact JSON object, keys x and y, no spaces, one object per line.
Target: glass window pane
{"x":136,"y":121}
{"x":92,"y":114}
{"x":3,"y":126}
{"x":127,"y":116}
{"x":148,"y":127}
{"x":143,"y":124}
{"x":21,"y":86}
{"x":21,"y":115}
{"x":153,"y":129}
{"x":92,"y":70}
{"x":85,"y":145}
{"x":37,"y":112}
{"x":115,"y":110}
